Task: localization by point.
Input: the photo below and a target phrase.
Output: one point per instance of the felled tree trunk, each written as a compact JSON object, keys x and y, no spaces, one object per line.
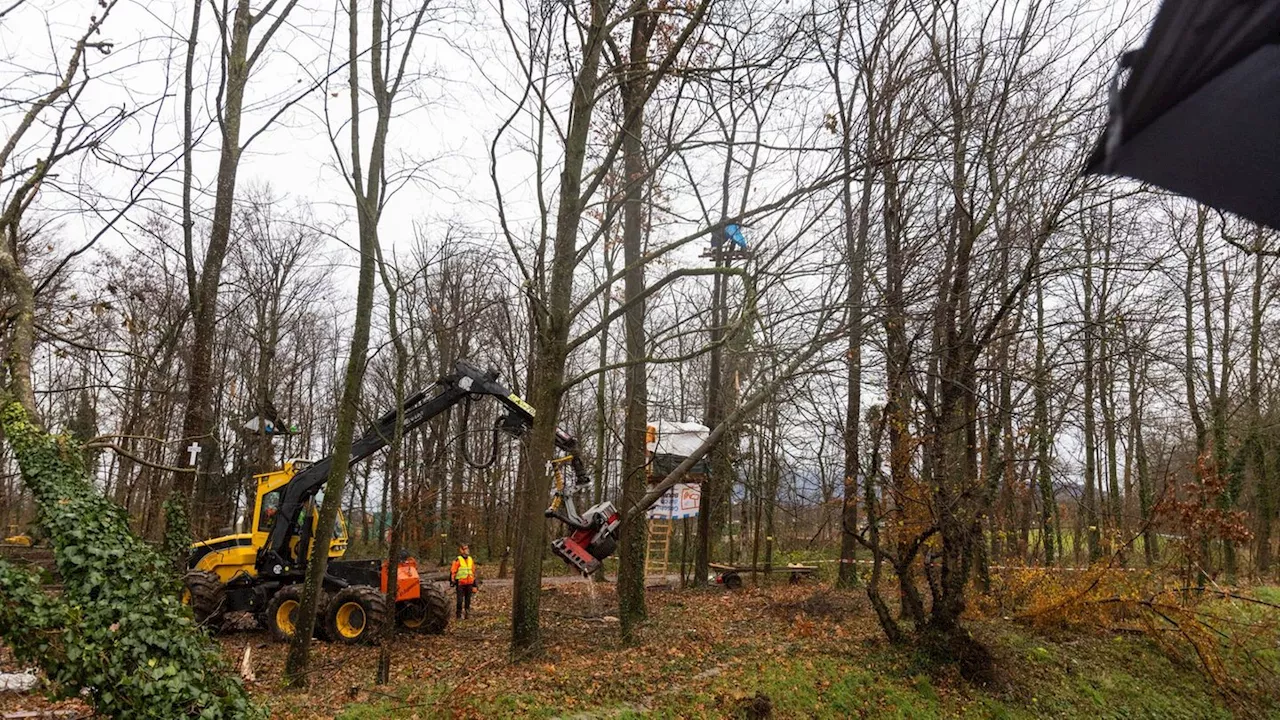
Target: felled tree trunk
{"x":118,"y":629}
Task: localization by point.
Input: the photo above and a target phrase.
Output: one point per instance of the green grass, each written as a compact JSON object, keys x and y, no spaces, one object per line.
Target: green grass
{"x":1099,"y":678}
{"x":1119,"y":677}
{"x":796,"y":655}
{"x":1268,"y":594}
{"x":827,"y":687}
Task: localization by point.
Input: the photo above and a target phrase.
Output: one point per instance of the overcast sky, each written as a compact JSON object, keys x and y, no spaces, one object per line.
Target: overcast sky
{"x":463,"y":84}
{"x":446,"y":114}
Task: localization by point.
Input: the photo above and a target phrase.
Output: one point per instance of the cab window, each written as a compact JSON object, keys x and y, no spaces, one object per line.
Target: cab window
{"x":270,"y":503}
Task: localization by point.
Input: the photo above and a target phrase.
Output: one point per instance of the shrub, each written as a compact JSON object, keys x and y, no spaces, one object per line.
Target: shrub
{"x":1226,"y":631}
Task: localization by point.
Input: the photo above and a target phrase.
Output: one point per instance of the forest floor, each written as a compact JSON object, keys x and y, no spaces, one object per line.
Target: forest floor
{"x":780,"y":651}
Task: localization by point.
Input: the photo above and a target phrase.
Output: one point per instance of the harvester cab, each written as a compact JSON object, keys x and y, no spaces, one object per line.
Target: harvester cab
{"x":234,"y":554}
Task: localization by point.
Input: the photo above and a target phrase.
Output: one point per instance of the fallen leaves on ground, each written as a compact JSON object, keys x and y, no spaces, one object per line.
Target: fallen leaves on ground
{"x":691,"y":637}
{"x":780,"y":651}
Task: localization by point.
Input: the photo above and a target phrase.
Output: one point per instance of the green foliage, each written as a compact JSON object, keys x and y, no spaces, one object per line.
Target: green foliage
{"x":119,"y":630}
{"x":177,"y":530}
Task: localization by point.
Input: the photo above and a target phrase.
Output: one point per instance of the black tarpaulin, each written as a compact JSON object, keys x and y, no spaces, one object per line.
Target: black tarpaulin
{"x":1200,"y":112}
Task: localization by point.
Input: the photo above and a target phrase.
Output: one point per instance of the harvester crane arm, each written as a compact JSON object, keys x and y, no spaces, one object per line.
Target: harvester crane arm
{"x":466,"y":381}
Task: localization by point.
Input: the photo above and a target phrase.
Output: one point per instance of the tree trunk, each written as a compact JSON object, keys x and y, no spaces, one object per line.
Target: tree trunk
{"x":368,"y":193}
{"x":550,"y":349}
{"x":1189,"y":377}
{"x":22,"y":321}
{"x":1091,"y":484}
{"x":1043,"y":439}
{"x":318,"y":563}
{"x":631,"y":545}
{"x":458,"y":525}
{"x":856,"y":252}
{"x":1224,"y":458}
{"x":1106,"y":381}
{"x":772,"y":477}
{"x":709,"y":511}
{"x":1142,"y":467}
{"x":1256,"y":458}
{"x":391,"y":479}
{"x":604,"y":410}
{"x":197,"y":419}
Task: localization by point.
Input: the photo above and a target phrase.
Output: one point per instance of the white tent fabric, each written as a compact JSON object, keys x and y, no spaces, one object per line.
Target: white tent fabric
{"x":676,"y":438}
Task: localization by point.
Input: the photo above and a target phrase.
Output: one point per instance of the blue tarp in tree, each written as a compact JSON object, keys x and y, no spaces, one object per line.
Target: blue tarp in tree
{"x":733,"y":233}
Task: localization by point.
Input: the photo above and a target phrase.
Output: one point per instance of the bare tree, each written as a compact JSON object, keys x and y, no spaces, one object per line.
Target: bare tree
{"x":550,"y":277}
{"x":632,"y":86}
{"x":367,"y":181}
{"x":978,"y":77}
{"x":72,"y":134}
{"x":239,"y":55}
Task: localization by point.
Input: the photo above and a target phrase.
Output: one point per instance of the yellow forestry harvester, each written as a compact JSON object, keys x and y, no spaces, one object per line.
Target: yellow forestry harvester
{"x":262,"y":571}
{"x":223,"y":577}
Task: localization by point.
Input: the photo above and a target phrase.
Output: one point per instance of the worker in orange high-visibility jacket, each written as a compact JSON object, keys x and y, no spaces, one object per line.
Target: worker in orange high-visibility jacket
{"x":462,"y":575}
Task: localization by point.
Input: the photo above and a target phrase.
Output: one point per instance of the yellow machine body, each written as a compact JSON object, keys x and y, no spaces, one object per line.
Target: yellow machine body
{"x":230,"y":556}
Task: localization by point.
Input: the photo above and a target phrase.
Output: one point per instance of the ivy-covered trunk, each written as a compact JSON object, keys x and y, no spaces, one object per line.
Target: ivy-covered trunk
{"x":119,"y":629}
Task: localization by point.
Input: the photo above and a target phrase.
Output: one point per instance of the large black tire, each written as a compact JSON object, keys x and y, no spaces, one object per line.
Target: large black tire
{"x":357,"y":615}
{"x":207,"y":596}
{"x":428,"y":614}
{"x":282,"y":612}
{"x":281,"y":616}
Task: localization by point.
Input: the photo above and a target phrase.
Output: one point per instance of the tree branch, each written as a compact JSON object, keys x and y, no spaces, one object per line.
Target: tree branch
{"x":141,"y":461}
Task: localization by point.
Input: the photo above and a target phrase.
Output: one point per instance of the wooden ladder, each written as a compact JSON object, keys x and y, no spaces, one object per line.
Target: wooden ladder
{"x":658,"y":548}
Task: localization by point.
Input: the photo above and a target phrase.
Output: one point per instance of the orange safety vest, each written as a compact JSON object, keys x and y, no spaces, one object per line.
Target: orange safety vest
{"x":464,"y":570}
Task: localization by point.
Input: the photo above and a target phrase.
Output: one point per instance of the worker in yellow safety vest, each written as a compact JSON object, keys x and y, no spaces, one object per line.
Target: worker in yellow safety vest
{"x":462,"y":575}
